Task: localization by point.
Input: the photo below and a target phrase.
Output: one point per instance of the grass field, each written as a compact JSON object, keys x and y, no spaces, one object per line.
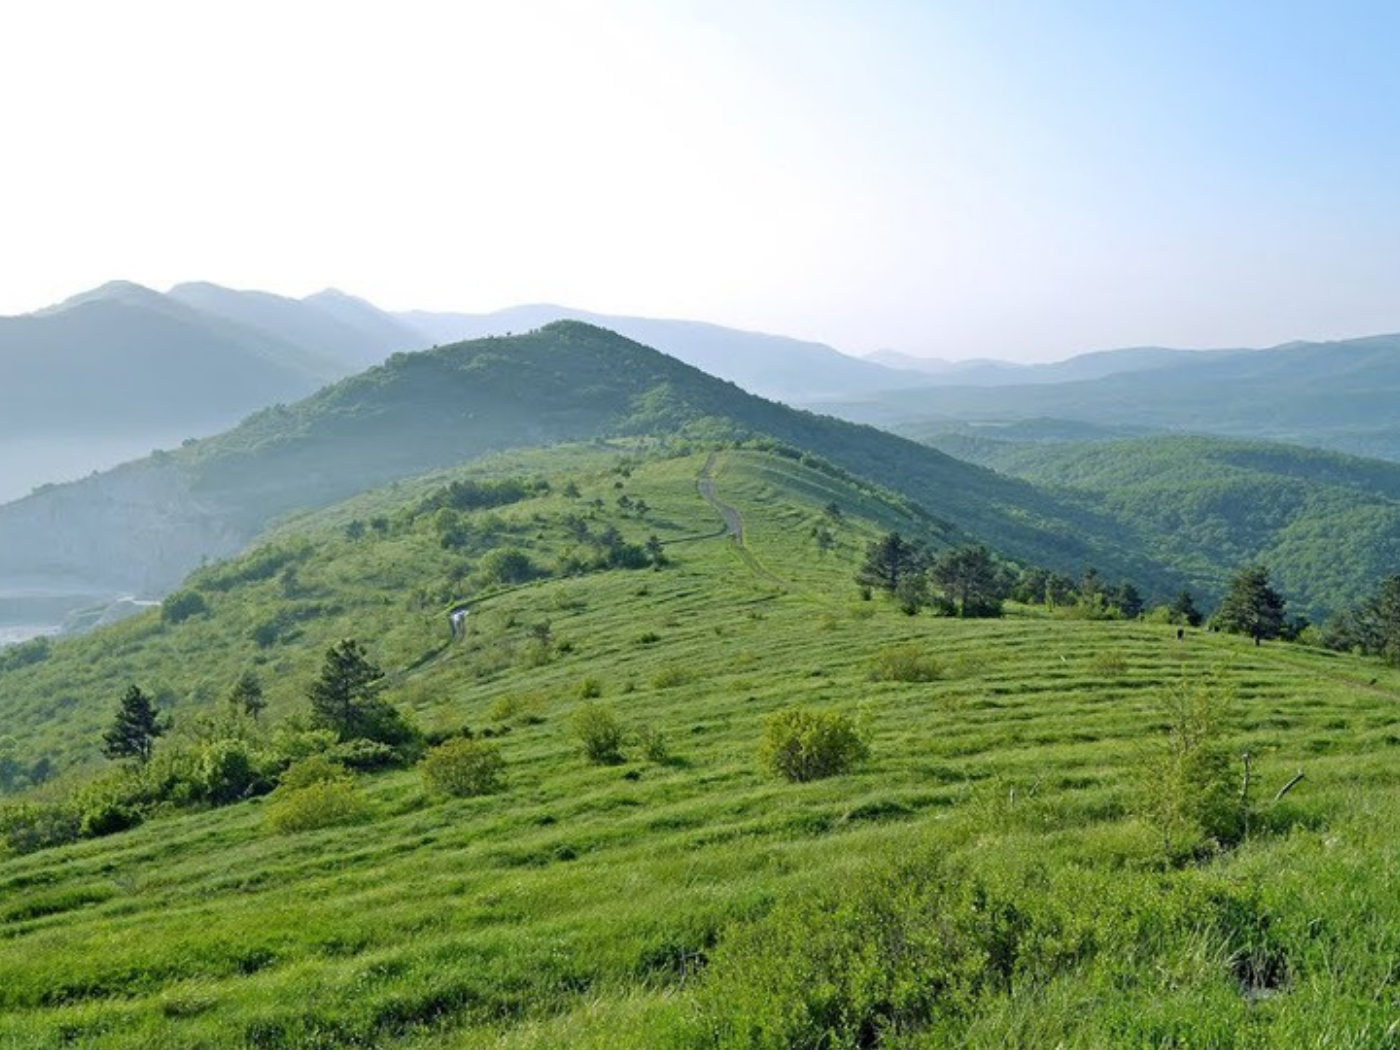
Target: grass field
{"x":992,"y":875}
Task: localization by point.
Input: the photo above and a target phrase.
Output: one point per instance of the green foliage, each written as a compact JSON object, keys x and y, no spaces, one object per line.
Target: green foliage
{"x":1372,"y":626}
{"x":599,"y":733}
{"x":463,"y":767}
{"x":345,"y":699}
{"x":506,"y":566}
{"x":1191,"y":789}
{"x":134,"y":731}
{"x":970,"y":579}
{"x":908,"y":662}
{"x":890,"y":560}
{"x":802,"y":745}
{"x":181,"y":605}
{"x":1251,"y":606}
{"x":322,"y":804}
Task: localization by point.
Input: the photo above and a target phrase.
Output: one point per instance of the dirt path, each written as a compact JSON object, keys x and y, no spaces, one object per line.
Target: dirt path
{"x":733,"y":523}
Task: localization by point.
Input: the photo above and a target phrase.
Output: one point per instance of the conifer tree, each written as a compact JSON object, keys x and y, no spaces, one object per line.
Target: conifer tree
{"x":134,"y":731}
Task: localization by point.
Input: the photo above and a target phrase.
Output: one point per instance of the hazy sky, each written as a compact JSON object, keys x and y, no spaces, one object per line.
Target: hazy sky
{"x":1023,"y":179}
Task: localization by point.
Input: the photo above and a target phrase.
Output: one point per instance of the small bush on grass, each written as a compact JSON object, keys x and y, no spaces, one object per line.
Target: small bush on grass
{"x":323,"y":804}
{"x":463,"y":767}
{"x":600,"y":733}
{"x":802,"y":745}
{"x":905,"y":663}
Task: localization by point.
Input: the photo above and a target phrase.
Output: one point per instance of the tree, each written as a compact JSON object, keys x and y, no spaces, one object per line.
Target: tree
{"x":889,"y":560}
{"x":1372,"y":626}
{"x":345,"y":697}
{"x":1183,"y":610}
{"x":134,"y":731}
{"x":1127,"y":600}
{"x":1251,"y":606}
{"x":247,"y":695}
{"x":971,"y":580}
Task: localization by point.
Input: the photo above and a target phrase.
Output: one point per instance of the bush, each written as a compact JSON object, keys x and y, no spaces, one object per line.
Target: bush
{"x":463,"y":767}
{"x":181,"y":605}
{"x":26,"y":827}
{"x":229,"y":770}
{"x":107,"y":816}
{"x":905,"y":663}
{"x":598,"y":730}
{"x":315,"y":769}
{"x":653,"y":745}
{"x":802,"y":745}
{"x":589,"y":688}
{"x":323,"y":804}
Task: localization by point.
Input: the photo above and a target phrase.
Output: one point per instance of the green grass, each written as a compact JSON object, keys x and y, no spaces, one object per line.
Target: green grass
{"x":631,"y":905}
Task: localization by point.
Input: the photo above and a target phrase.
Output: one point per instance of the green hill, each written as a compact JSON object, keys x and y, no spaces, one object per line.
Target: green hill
{"x":145,"y":526}
{"x":1328,"y":524}
{"x":1021,"y":860}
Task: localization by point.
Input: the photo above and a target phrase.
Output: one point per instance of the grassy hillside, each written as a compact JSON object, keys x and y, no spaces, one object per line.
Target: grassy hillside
{"x":997,"y":873}
{"x":430,"y":410}
{"x":1328,"y":524}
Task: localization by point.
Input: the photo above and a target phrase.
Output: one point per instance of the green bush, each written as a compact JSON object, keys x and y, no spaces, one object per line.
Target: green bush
{"x":905,"y":663}
{"x":314,"y":769}
{"x":323,"y":804}
{"x":463,"y":767}
{"x":600,"y":733}
{"x":653,"y":745}
{"x":801,"y":745}
{"x":29,"y":826}
{"x":181,"y":605}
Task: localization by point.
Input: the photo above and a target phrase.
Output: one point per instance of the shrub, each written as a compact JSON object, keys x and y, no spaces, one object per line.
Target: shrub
{"x":653,"y":745}
{"x":670,"y":676}
{"x":322,"y":804}
{"x":600,"y":733}
{"x":802,"y":745}
{"x":905,"y":663}
{"x":181,"y":605}
{"x":229,"y":770}
{"x":315,"y":769}
{"x":463,"y":767}
{"x":107,"y":816}
{"x":589,"y":688}
{"x":26,"y":827}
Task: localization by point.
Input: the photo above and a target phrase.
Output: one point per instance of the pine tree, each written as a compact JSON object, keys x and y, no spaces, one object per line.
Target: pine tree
{"x":889,"y":560}
{"x":247,"y":695}
{"x":343,"y":697}
{"x":134,"y":731}
{"x":971,"y":580}
{"x":1251,"y":606}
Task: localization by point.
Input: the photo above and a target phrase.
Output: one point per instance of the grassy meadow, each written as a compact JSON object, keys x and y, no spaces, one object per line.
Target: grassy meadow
{"x":1004,"y":870}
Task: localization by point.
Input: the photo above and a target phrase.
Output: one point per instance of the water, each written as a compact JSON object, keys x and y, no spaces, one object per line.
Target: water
{"x":13,"y":634}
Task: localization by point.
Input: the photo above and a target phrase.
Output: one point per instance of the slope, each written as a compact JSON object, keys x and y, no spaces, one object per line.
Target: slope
{"x":687,"y":900}
{"x":566,"y":382}
{"x":1327,"y":524}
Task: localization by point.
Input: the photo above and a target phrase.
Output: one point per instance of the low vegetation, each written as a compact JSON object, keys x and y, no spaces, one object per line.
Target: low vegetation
{"x":682,"y":805}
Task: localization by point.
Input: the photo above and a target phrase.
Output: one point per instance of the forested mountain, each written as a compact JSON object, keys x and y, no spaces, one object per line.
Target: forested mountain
{"x":1338,"y":395}
{"x":1327,"y":523}
{"x":143,"y":527}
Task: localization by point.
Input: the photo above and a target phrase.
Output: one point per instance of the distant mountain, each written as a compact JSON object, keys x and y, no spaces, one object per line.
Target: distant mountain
{"x":141,"y":528}
{"x":1328,"y":524}
{"x":335,"y":326}
{"x":1094,"y":365}
{"x":124,"y":360}
{"x":768,"y":365}
{"x":1338,"y":395}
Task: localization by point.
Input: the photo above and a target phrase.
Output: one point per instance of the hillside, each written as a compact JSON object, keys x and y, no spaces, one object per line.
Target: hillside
{"x":1336,"y":396}
{"x":566,"y":382}
{"x":1001,"y":871}
{"x":1328,"y":524}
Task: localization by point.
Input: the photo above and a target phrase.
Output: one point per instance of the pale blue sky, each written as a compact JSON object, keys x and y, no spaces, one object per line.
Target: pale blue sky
{"x":1017,"y":179}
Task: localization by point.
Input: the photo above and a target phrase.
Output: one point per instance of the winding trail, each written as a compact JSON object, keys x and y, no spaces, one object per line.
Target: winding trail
{"x":733,"y":523}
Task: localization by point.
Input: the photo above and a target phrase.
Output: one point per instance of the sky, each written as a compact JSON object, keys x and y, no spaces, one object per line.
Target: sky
{"x":1020,"y":179}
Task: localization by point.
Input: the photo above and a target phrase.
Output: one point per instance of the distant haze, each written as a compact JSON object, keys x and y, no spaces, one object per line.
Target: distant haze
{"x":1022,"y":180}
